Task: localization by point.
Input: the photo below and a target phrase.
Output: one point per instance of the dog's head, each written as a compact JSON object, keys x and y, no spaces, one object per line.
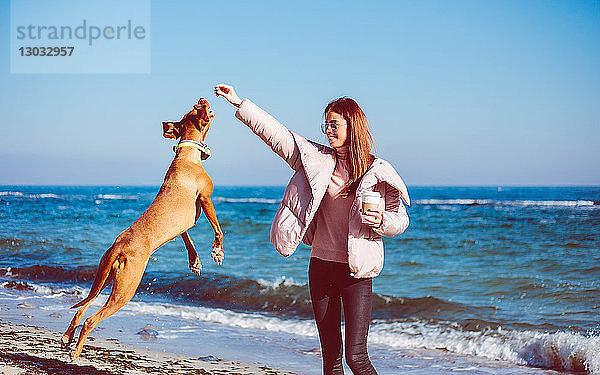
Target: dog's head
{"x":200,"y":117}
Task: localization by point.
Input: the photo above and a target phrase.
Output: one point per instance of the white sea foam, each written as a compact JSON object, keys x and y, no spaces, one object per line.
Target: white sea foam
{"x":560,"y":350}
{"x":48,"y":291}
{"x":30,"y":196}
{"x":222,"y":316}
{"x":453,"y":201}
{"x":246,"y":200}
{"x":11,"y":193}
{"x":576,"y":203}
{"x":46,"y":195}
{"x":115,"y":197}
{"x":57,"y":291}
{"x":550,"y":203}
{"x":9,"y":269}
{"x":280,"y":281}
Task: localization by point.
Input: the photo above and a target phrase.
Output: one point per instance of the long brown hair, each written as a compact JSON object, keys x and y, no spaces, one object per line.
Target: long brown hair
{"x":361,"y":140}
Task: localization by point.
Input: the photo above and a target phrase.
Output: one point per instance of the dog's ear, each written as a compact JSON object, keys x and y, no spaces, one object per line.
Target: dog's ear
{"x":170,"y":129}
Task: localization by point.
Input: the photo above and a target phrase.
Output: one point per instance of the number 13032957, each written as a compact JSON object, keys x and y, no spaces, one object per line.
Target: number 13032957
{"x":46,"y":51}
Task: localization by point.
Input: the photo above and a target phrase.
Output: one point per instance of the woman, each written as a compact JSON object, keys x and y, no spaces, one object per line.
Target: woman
{"x":321,"y":206}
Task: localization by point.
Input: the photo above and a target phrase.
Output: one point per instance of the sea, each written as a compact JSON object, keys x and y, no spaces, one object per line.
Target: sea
{"x":486,"y":280}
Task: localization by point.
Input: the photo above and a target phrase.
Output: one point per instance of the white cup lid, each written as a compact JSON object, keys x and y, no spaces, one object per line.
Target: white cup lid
{"x":371,"y":194}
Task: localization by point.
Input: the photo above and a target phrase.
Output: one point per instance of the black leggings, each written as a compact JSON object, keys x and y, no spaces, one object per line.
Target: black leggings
{"x":330,"y":283}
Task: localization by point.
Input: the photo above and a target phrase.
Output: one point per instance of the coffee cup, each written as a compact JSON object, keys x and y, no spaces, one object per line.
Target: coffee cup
{"x":370,"y":201}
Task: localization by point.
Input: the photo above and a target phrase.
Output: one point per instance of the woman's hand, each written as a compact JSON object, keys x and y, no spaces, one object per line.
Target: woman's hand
{"x":372,"y":218}
{"x":228,"y":93}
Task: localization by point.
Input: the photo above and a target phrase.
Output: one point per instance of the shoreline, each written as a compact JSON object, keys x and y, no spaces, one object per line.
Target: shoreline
{"x":35,"y":350}
{"x":31,"y":326}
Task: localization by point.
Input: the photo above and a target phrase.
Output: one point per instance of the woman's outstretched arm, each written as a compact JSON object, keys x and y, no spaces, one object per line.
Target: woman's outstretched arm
{"x":273,"y":133}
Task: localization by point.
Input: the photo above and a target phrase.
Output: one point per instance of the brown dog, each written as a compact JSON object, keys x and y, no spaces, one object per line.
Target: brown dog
{"x":183,"y":195}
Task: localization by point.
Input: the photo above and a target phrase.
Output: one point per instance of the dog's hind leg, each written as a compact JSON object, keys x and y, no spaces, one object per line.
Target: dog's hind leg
{"x":104,"y":268}
{"x":67,"y":337}
{"x":104,"y":276}
{"x":126,"y":279}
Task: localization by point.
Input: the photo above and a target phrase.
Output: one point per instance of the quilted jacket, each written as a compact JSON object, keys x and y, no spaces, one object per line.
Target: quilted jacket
{"x":313,"y":164}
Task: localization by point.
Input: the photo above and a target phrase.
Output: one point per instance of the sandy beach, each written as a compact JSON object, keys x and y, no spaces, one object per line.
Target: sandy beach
{"x":35,"y":350}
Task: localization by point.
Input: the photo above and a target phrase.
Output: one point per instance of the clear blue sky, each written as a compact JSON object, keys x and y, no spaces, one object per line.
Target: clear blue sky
{"x":457,"y":92}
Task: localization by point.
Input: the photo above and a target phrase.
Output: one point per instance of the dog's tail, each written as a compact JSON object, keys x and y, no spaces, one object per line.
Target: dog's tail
{"x":102,"y":276}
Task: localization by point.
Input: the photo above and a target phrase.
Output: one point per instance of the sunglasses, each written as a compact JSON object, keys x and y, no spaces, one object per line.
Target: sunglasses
{"x":331,"y":125}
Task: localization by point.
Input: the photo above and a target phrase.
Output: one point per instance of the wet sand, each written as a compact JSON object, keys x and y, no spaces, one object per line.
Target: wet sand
{"x":34,"y":350}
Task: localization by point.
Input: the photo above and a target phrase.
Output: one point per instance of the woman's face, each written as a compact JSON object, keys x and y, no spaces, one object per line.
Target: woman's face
{"x":339,"y":137}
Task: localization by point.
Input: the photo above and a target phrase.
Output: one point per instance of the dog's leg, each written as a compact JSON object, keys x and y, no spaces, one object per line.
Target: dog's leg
{"x":125,"y":282}
{"x":198,"y":208}
{"x":194,"y":260}
{"x":67,"y":337}
{"x":102,"y":273}
{"x":209,"y":210}
{"x":101,"y":281}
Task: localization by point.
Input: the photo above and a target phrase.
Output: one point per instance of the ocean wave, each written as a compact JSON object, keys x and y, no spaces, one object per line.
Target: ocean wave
{"x":49,"y":291}
{"x":20,"y":194}
{"x":562,"y":351}
{"x":289,"y":298}
{"x":11,"y":193}
{"x":48,"y":273}
{"x":116,"y":197}
{"x":77,"y":197}
{"x":12,"y":243}
{"x":524,"y":203}
{"x":279,"y":282}
{"x":236,"y":293}
{"x":283,"y":296}
{"x":16,"y":285}
{"x":245,"y":200}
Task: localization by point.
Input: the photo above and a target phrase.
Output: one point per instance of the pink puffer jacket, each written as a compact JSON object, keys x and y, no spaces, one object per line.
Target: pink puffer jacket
{"x":314,"y":164}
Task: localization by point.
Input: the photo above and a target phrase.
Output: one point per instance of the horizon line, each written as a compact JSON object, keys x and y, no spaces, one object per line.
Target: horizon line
{"x":258,"y":185}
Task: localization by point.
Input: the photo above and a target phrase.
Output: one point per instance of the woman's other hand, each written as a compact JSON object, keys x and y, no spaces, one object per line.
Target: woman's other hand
{"x":228,"y":93}
{"x":372,"y":218}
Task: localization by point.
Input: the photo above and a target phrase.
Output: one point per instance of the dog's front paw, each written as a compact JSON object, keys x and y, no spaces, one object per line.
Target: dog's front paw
{"x":196,"y":267}
{"x":217,"y":254}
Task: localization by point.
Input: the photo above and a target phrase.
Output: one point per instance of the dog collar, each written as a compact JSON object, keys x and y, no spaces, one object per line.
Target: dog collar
{"x":200,"y":146}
